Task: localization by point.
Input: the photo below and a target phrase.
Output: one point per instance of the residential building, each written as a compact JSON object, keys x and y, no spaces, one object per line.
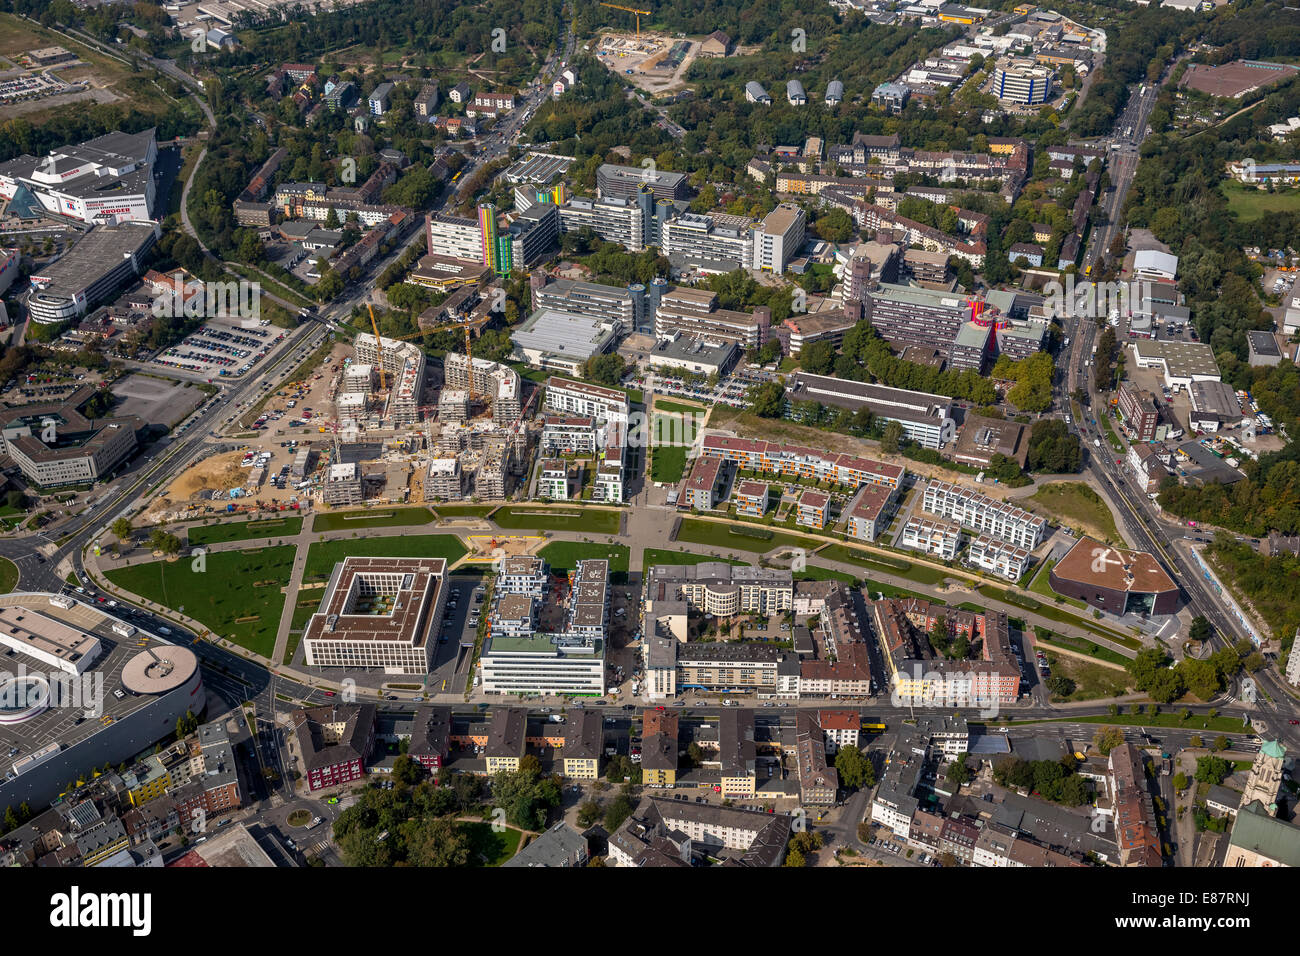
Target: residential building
{"x":983,"y":514}
{"x":584,"y":731}
{"x":721,"y":589}
{"x":333,"y":743}
{"x":659,"y":748}
{"x":939,"y":538}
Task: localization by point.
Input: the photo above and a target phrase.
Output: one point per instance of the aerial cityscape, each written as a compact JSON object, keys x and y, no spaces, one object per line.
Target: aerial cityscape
{"x":848,"y":434}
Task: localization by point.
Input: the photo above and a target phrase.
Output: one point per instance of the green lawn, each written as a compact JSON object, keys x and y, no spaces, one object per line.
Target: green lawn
{"x":8,"y":575}
{"x":597,"y":521}
{"x":1075,"y":503}
{"x":1251,"y":203}
{"x":245,"y":530}
{"x":652,"y":556}
{"x":678,"y":407}
{"x":814,"y":573}
{"x":488,"y":848}
{"x":668,"y":464}
{"x":1056,"y":614}
{"x":237,"y":596}
{"x":1079,"y":646}
{"x":565,"y":555}
{"x":322,"y":556}
{"x":464,"y":511}
{"x":883,"y":564}
{"x":375,"y":518}
{"x":745,"y":537}
{"x":1092,"y":681}
{"x":1041,"y":584}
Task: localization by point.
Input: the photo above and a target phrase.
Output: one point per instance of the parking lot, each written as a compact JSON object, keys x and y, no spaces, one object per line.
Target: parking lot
{"x":221,"y":348}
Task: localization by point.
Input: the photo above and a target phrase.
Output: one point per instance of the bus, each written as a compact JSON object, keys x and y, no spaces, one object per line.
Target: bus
{"x":874,"y":728}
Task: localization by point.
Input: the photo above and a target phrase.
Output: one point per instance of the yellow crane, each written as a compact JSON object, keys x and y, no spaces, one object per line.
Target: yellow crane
{"x":639,"y":13}
{"x":379,"y":348}
{"x":469,"y":362}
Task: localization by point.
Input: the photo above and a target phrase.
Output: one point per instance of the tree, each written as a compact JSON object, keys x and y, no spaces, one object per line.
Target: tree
{"x":835,"y":226}
{"x":1200,"y":629}
{"x":891,"y":438}
{"x":958,"y":772}
{"x":795,"y":858}
{"x":589,"y":813}
{"x":817,"y":358}
{"x":1212,"y":770}
{"x":854,"y":769}
{"x":1060,"y":685}
{"x":11,"y":819}
{"x":1107,"y":739}
{"x":1221,"y":743}
{"x":407,"y":771}
{"x":121,"y":529}
{"x":768,"y":400}
{"x":619,"y":809}
{"x":605,"y":369}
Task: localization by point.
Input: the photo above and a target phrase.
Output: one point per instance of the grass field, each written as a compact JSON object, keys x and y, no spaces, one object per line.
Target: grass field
{"x":1251,"y":203}
{"x":377,"y":518}
{"x":743,"y":537}
{"x":1079,"y":646}
{"x":1053,"y":613}
{"x":597,"y":521}
{"x":1077,"y":505}
{"x":814,"y":573}
{"x":668,"y":464}
{"x":565,"y":555}
{"x":676,"y":428}
{"x":652,"y":556}
{"x":237,"y":597}
{"x":8,"y":575}
{"x":883,"y":564}
{"x":245,"y":530}
{"x":464,"y":511}
{"x":1041,"y":584}
{"x":1092,"y":681}
{"x":662,"y":405}
{"x":488,"y":848}
{"x":322,"y":556}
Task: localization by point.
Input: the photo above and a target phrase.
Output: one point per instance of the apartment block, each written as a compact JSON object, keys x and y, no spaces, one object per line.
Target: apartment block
{"x":985,"y":515}
{"x":938,"y":538}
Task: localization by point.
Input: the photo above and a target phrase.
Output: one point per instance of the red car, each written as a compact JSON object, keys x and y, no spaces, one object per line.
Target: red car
{"x":329,"y":693}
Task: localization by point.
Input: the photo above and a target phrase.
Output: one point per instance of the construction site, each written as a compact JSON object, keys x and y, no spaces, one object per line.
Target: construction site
{"x":377,"y":423}
{"x":653,"y":62}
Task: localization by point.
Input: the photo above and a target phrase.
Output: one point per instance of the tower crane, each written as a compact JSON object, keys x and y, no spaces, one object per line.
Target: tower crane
{"x":639,"y":13}
{"x":379,"y":348}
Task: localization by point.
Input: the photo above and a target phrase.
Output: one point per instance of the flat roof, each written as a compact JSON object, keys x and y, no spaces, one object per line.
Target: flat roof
{"x":1092,"y":563}
{"x":568,"y":333}
{"x":353,"y":610}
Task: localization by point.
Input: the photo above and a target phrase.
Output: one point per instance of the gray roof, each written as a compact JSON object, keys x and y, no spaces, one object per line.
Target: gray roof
{"x":1257,"y":831}
{"x":559,"y":846}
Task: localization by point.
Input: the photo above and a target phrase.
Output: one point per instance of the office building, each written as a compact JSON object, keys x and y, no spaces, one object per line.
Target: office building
{"x":780,"y":238}
{"x":625,"y":181}
{"x":585,"y":298}
{"x":53,"y":443}
{"x":721,"y":589}
{"x":714,"y":242}
{"x":695,"y":312}
{"x":922,"y":415}
{"x":1022,"y":82}
{"x":563,"y":341}
{"x":382,"y":613}
{"x":617,"y":219}
{"x":1138,"y":409}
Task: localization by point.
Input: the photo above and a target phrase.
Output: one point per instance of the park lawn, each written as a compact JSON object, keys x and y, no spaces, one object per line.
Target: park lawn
{"x":1079,"y":647}
{"x":746,"y":538}
{"x":594,"y":520}
{"x":1250,"y":203}
{"x":8,"y":575}
{"x":1042,"y":585}
{"x":674,"y":430}
{"x":668,"y":464}
{"x":662,"y":405}
{"x":322,"y":556}
{"x":374,"y":518}
{"x":1059,"y":616}
{"x":882,"y":564}
{"x":652,"y":556}
{"x":1092,"y":681}
{"x":245,"y":530}
{"x":891,"y":591}
{"x":814,"y":573}
{"x":464,"y":511}
{"x":565,"y":555}
{"x":488,"y":848}
{"x":1075,"y":503}
{"x":235,"y":585}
